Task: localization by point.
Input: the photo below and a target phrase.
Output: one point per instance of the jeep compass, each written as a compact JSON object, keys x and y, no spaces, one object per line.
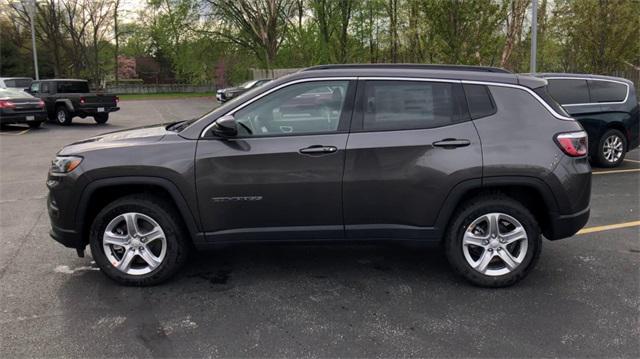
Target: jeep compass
{"x":480,"y":160}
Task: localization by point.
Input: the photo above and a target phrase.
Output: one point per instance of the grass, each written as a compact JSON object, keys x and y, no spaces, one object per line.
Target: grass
{"x":164,"y":96}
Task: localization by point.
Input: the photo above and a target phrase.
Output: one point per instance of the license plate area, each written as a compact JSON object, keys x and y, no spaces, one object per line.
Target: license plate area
{"x":31,"y":118}
{"x":100,"y":109}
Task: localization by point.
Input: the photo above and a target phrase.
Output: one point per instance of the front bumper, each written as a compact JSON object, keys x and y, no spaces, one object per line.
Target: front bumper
{"x":564,"y":226}
{"x":68,"y":237}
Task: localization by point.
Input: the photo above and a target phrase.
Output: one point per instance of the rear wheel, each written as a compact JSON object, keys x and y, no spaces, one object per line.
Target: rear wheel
{"x":62,"y":116}
{"x":493,"y":241}
{"x":101,"y":118}
{"x":611,"y":149}
{"x":137,"y":240}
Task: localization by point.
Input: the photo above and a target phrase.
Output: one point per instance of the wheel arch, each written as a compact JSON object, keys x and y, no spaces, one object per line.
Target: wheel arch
{"x":66,"y":103}
{"x":526,"y":190}
{"x":101,"y":192}
{"x":617,"y":126}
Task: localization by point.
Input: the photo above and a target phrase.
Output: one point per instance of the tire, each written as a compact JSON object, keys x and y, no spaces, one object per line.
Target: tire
{"x":101,"y":118}
{"x":612,"y":148}
{"x":62,"y":116}
{"x":35,"y":124}
{"x":497,"y":274}
{"x":150,"y":212}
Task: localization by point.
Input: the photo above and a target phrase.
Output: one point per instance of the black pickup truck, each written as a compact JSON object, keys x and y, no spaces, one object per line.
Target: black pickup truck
{"x":67,"y":98}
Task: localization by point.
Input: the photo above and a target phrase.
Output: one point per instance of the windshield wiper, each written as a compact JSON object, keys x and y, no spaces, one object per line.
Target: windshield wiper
{"x":180,"y":125}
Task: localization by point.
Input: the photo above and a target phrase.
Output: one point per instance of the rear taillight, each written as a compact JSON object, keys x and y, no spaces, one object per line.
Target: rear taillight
{"x":5,"y":104}
{"x":117,"y":99}
{"x":82,"y":100}
{"x":574,"y":144}
{"x":41,"y":104}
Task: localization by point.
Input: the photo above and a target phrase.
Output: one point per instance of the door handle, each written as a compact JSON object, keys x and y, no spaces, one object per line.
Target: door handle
{"x":318,"y":150}
{"x":450,"y":143}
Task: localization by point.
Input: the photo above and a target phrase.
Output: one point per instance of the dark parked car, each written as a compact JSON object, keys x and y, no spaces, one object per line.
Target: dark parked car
{"x":482,"y":161}
{"x":67,"y":98}
{"x":226,"y":94}
{"x":16,"y":83}
{"x":607,"y":108}
{"x":19,"y":107}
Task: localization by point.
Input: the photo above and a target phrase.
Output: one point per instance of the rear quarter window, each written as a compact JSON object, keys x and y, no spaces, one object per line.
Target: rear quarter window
{"x":607,"y":91}
{"x":479,"y":100}
{"x":569,"y":91}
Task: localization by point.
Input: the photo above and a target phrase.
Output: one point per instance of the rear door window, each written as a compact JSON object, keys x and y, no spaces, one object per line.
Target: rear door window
{"x":569,"y":91}
{"x":73,"y":87}
{"x":607,"y":91}
{"x":404,"y":105}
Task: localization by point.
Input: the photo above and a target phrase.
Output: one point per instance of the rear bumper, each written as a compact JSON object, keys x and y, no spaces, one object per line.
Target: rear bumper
{"x":566,"y":225}
{"x":90,"y":111}
{"x":24,"y":117}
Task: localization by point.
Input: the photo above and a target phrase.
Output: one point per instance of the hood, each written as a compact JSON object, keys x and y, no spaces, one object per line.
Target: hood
{"x":123,"y":138}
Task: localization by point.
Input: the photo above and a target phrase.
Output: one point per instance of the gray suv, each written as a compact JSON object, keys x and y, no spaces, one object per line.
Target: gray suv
{"x":480,"y":160}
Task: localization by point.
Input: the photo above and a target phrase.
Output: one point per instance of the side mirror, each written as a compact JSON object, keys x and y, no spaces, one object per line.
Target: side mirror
{"x":226,"y":126}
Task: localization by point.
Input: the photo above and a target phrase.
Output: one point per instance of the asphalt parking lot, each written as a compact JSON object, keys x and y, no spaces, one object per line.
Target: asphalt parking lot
{"x":582,"y":300}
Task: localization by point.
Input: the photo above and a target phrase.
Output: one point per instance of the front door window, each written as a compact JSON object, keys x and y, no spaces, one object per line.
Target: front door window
{"x":304,"y":108}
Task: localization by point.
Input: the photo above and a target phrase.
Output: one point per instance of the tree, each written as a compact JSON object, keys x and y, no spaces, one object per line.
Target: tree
{"x":599,"y":35}
{"x":260,"y":24}
{"x":515,"y":21}
{"x":116,"y":38}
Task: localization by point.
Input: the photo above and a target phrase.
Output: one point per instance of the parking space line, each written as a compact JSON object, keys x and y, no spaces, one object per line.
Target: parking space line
{"x":628,"y":160}
{"x":15,"y":134}
{"x":615,"y":171}
{"x":608,"y":227}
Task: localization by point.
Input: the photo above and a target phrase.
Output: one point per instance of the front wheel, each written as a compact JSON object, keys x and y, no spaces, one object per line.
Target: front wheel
{"x":611,"y":149}
{"x":137,"y":240}
{"x":493,"y":241}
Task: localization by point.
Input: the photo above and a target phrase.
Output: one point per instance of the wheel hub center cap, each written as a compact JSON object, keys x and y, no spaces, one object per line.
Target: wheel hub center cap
{"x":136,"y":243}
{"x":494,"y":243}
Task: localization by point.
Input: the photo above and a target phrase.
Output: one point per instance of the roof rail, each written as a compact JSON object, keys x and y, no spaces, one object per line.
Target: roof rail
{"x":410,"y":66}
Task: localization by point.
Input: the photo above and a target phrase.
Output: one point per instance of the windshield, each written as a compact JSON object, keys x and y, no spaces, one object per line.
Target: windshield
{"x":248,"y":84}
{"x":18,"y":83}
{"x":11,"y":93}
{"x":225,"y":106}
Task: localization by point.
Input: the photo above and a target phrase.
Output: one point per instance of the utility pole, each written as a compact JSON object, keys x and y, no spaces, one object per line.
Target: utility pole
{"x":31,"y":8}
{"x":534,"y":35}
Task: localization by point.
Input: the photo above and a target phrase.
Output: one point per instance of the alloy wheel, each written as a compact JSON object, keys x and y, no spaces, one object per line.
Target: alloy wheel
{"x":613,"y":148}
{"x":134,"y":243}
{"x":495,"y":244}
{"x":61,"y":116}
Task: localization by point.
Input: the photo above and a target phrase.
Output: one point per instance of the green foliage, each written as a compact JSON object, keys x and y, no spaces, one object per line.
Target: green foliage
{"x":205,"y":41}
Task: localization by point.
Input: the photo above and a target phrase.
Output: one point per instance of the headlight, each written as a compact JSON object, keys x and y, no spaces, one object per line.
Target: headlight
{"x":65,"y":164}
